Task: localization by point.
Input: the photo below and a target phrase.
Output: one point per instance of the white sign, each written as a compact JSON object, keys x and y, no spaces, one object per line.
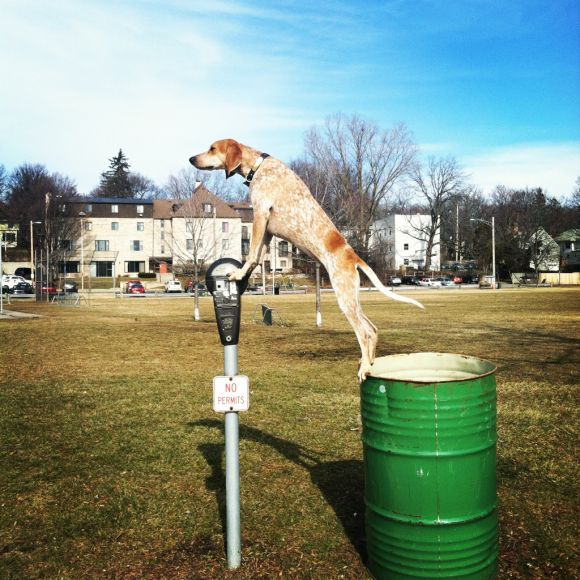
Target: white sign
{"x":231,"y":394}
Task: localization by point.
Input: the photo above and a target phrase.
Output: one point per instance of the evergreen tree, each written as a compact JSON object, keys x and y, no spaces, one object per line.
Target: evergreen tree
{"x":115,"y":181}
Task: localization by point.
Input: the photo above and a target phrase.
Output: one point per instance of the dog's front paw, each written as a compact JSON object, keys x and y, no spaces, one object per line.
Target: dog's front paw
{"x":237,"y":275}
{"x":364,"y":370}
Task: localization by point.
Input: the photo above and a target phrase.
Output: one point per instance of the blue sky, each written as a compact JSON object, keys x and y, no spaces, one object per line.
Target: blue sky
{"x":495,"y":84}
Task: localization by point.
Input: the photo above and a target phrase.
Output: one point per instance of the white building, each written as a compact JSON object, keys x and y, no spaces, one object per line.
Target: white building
{"x":402,"y":239}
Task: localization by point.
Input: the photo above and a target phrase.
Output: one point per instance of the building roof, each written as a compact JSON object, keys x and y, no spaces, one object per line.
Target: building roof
{"x":569,"y":236}
{"x":244,"y":209}
{"x":193,"y":206}
{"x":113,"y":200}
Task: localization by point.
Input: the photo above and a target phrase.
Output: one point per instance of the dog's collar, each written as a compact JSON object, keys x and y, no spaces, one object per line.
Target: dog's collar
{"x":255,"y":168}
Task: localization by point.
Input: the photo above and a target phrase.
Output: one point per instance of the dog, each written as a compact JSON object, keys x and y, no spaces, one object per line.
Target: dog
{"x":284,"y":207}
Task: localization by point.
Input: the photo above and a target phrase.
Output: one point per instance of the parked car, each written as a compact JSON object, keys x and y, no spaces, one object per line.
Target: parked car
{"x":394,"y":281}
{"x":410,"y":280}
{"x":51,"y":289}
{"x":10,"y":280}
{"x":430,"y":282}
{"x":71,"y":287}
{"x":201,"y":289}
{"x":24,"y":272}
{"x":22,"y":288}
{"x":471,"y":279}
{"x":457,"y":279}
{"x":445,"y":281}
{"x":173,"y":286}
{"x":134,"y":287}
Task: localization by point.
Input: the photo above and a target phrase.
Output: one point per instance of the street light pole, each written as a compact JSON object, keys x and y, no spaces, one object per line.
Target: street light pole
{"x":1,"y":274}
{"x":491,"y":224}
{"x":82,"y":214}
{"x":493,"y":251}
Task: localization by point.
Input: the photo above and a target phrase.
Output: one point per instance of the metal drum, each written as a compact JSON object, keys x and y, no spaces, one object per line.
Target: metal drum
{"x":429,"y":438}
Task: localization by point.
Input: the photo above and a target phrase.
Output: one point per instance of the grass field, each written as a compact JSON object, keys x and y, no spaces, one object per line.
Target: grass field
{"x":111,"y":456}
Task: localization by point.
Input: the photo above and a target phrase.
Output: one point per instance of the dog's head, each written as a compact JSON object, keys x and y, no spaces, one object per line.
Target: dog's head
{"x":224,"y":154}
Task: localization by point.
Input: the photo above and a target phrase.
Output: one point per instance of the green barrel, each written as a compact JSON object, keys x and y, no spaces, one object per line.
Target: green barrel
{"x":429,"y":437}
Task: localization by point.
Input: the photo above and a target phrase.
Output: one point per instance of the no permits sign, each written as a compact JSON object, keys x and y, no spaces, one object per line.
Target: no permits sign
{"x":231,"y":394}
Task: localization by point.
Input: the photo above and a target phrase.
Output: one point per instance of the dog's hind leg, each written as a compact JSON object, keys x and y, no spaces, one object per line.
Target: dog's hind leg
{"x":345,"y":281}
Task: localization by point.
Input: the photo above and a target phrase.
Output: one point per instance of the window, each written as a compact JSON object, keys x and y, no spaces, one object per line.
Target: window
{"x":406,"y":261}
{"x":162,"y":224}
{"x":65,"y":245}
{"x":88,"y":226}
{"x":245,"y":235}
{"x":207,"y":208}
{"x":114,"y":226}
{"x":282,"y":249}
{"x":189,"y":244}
{"x":225,"y":227}
{"x":102,"y":269}
{"x":162,"y":249}
{"x":88,"y":208}
{"x":132,"y":266}
{"x":101,"y":246}
{"x":225,"y":244}
{"x":140,"y":226}
{"x":140,"y":209}
{"x":114,"y":208}
{"x":405,"y":246}
{"x":10,"y":238}
{"x":136,"y":245}
{"x":162,"y":235}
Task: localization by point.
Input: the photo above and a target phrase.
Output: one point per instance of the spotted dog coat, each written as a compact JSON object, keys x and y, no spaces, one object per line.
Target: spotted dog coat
{"x":283,"y":206}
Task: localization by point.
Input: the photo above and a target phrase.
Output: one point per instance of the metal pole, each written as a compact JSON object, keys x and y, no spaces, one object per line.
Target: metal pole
{"x":233,"y":542}
{"x":1,"y":274}
{"x":493,"y":251}
{"x":82,"y":215}
{"x":47,"y":270}
{"x":318,"y":313}
{"x":273,"y":263}
{"x":32,"y":276}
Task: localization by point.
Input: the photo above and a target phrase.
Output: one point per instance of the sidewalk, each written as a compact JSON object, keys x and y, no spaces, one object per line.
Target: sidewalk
{"x":11,"y":315}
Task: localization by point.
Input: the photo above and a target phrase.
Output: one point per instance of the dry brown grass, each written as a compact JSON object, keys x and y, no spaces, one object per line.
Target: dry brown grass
{"x":111,"y":456}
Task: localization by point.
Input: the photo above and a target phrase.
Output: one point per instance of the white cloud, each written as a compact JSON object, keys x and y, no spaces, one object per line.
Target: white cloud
{"x":552,"y":166}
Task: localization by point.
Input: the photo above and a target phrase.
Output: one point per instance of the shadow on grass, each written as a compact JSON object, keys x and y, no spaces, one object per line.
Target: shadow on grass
{"x":340,"y":482}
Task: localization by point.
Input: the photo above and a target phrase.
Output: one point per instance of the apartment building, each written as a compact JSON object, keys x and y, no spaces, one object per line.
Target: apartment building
{"x":115,"y":237}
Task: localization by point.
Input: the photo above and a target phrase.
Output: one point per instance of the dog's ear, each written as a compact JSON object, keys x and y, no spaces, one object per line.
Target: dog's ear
{"x":233,"y":157}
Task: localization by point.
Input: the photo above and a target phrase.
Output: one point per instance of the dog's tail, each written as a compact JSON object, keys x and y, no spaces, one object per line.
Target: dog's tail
{"x":379,"y":285}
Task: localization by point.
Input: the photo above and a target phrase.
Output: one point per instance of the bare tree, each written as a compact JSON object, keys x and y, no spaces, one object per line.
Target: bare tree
{"x":31,"y":193}
{"x":193,"y":202}
{"x":436,"y":184}
{"x":363,"y":164}
{"x":143,"y":187}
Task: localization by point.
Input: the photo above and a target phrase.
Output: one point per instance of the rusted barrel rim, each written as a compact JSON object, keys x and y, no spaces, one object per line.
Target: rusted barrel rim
{"x":407,"y":368}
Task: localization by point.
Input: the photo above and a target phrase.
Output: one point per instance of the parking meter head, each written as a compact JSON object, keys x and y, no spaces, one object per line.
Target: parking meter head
{"x":226,"y":298}
{"x":216,"y":277}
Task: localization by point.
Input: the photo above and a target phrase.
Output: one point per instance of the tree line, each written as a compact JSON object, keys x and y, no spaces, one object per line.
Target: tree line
{"x":359,"y":172}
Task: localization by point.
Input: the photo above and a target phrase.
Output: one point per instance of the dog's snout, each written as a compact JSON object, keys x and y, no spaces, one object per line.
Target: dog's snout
{"x":192,"y":160}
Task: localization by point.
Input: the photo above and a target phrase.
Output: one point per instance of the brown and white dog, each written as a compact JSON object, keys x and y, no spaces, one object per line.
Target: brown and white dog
{"x":283,"y":206}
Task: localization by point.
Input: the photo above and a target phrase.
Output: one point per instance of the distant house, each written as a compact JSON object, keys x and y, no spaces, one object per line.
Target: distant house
{"x":544,"y":252}
{"x":402,"y":240}
{"x":569,"y":243}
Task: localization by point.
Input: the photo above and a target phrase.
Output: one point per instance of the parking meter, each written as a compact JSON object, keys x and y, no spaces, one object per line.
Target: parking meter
{"x":226,"y":298}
